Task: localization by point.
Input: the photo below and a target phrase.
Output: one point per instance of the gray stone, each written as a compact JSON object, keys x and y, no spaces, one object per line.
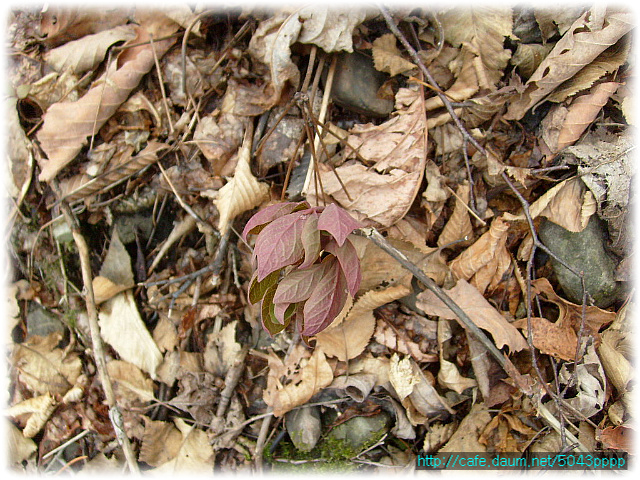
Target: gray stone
{"x":356,"y":83}
{"x":360,"y":431}
{"x":584,"y":251}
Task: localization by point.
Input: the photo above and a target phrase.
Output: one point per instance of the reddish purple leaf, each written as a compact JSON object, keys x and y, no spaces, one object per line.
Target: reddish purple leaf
{"x":279,"y":245}
{"x":337,"y":222}
{"x":267,"y":215}
{"x":326,"y":301}
{"x":310,"y":238}
{"x":349,"y":262}
{"x":299,"y":284}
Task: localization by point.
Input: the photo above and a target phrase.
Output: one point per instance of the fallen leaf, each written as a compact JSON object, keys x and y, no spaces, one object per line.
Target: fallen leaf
{"x":39,"y":410}
{"x":481,"y":312}
{"x":397,"y":149}
{"x":465,"y":438}
{"x":79,"y":56}
{"x":618,"y":438}
{"x":593,"y":32}
{"x":387,"y":57}
{"x":116,"y":274}
{"x":313,"y":375}
{"x":20,"y":448}
{"x":43,"y":368}
{"x":68,"y":124}
{"x":194,"y":453}
{"x":458,"y":227}
{"x":122,"y":327}
{"x":243,"y":192}
{"x":346,"y":339}
{"x":568,"y":204}
{"x":129,"y":381}
{"x":483,"y":250}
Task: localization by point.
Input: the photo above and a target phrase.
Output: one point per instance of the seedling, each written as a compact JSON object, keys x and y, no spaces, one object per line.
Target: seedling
{"x":305,"y":265}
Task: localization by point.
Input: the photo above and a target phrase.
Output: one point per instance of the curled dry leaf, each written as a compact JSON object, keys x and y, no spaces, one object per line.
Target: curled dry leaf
{"x":243,"y":192}
{"x":39,"y":410}
{"x":568,"y":204}
{"x":313,"y":374}
{"x":329,"y":28}
{"x":459,"y":225}
{"x":481,"y":312}
{"x":68,"y":124}
{"x":592,"y":33}
{"x":483,"y":251}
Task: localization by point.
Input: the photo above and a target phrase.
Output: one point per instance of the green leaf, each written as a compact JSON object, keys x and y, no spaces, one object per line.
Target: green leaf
{"x":269,"y":322}
{"x":258,"y":289}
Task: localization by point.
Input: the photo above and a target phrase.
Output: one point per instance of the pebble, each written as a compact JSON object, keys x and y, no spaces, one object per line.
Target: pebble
{"x":584,"y":251}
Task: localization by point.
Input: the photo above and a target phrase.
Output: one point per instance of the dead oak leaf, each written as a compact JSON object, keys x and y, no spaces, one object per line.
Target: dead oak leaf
{"x":481,"y":312}
{"x":387,"y":57}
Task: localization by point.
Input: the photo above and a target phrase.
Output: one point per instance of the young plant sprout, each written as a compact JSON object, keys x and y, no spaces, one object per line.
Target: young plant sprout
{"x":305,"y":266}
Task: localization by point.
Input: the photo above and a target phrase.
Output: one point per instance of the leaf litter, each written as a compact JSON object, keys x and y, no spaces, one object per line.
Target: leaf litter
{"x":232,"y":316}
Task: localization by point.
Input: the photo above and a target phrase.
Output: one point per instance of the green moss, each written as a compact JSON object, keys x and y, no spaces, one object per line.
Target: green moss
{"x":330,"y":455}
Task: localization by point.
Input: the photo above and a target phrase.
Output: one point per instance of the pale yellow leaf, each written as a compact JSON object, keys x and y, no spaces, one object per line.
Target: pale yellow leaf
{"x":20,"y":448}
{"x":40,"y":408}
{"x":243,"y":192}
{"x":122,"y":327}
{"x":387,"y":57}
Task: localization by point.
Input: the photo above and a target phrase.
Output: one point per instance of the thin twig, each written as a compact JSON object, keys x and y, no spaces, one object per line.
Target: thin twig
{"x":98,"y":347}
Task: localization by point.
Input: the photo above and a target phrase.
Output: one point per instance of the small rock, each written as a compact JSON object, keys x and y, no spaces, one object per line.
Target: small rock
{"x":304,"y":427}
{"x":41,"y":322}
{"x":584,"y":251}
{"x":356,"y":83}
{"x":359,"y":431}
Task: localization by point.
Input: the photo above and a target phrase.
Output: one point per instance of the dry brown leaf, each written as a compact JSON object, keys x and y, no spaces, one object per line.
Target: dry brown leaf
{"x":243,"y":192}
{"x":448,"y":376}
{"x":79,"y":56}
{"x":39,"y":408}
{"x":346,"y":339}
{"x":116,"y":274}
{"x":44,"y":368}
{"x":122,"y":327}
{"x":387,"y":57}
{"x":416,"y":393}
{"x":68,"y":124}
{"x":528,"y":56}
{"x":129,"y":381}
{"x":591,"y":34}
{"x":568,"y":204}
{"x":482,"y":30}
{"x":582,"y":112}
{"x":616,"y":349}
{"x":160,"y":442}
{"x":329,"y":28}
{"x":194,"y":453}
{"x":465,"y":438}
{"x":458,"y":227}
{"x":619,"y":438}
{"x":481,"y":312}
{"x":384,"y":193}
{"x":559,"y":338}
{"x":608,"y":61}
{"x":63,"y":23}
{"x":83,"y":185}
{"x":314,"y":373}
{"x":483,"y":250}
{"x":387,"y":336}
